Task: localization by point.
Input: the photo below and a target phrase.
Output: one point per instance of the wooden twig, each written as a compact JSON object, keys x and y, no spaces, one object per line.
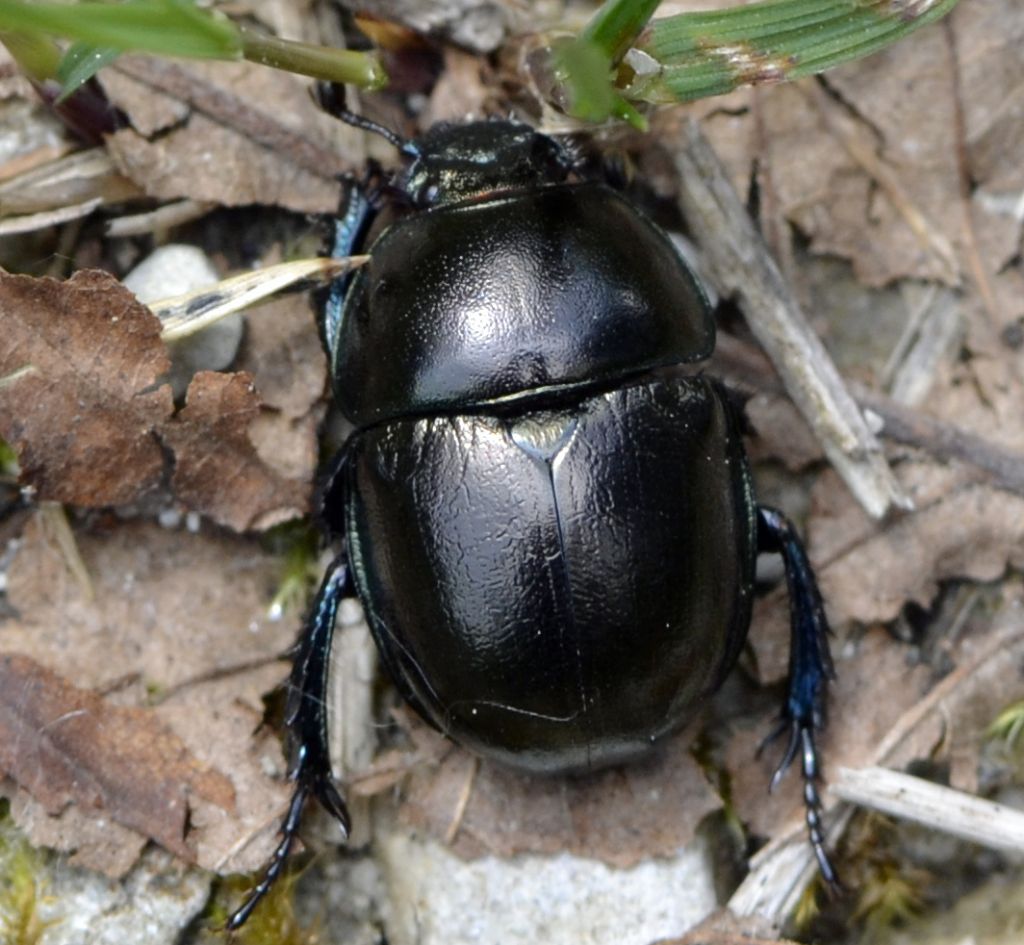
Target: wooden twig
{"x":1004,"y":467}
{"x":940,"y":808}
{"x":741,"y":266}
{"x":234,"y":112}
{"x":781,"y":869}
{"x":30,"y":222}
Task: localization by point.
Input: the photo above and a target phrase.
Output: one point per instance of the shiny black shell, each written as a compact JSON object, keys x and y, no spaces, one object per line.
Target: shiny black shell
{"x":548,"y":518}
{"x":497,"y":298}
{"x":556,"y":589}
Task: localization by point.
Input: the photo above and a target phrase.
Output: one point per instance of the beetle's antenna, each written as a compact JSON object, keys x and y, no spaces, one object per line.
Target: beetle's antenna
{"x":405,"y":145}
{"x":332,"y":101}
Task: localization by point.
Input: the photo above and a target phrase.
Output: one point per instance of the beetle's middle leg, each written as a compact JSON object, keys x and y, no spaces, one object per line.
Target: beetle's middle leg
{"x":810,"y":669}
{"x":306,"y":718}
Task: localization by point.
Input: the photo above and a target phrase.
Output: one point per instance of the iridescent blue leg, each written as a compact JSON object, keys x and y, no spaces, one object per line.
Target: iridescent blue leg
{"x":306,"y":719}
{"x":810,"y":669}
{"x":348,"y":231}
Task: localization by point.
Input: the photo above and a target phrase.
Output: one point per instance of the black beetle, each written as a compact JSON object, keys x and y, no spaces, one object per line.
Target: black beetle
{"x":546,"y":513}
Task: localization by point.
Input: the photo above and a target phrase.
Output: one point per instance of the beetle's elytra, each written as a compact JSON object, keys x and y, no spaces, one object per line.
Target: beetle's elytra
{"x":546,"y":514}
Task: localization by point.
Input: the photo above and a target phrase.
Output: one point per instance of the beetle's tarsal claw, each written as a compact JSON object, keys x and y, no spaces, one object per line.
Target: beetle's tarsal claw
{"x":812,"y":806}
{"x":810,"y":755}
{"x":275,"y":866}
{"x":783,"y":725}
{"x":801,"y":741}
{"x":331,"y":800}
{"x":788,"y":755}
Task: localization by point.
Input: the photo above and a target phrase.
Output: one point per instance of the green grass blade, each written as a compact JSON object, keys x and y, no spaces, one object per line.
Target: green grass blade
{"x":37,"y":56}
{"x":615,"y":26}
{"x":579,"y":72}
{"x":321,"y":62}
{"x":173,"y":28}
{"x":701,"y":54}
{"x":80,"y":63}
{"x":164,"y":27}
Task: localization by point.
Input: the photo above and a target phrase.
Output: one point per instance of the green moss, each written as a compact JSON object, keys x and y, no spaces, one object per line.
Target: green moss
{"x":298,"y":544}
{"x":22,"y":889}
{"x":808,"y":906}
{"x":891,"y":895}
{"x":8,"y":460}
{"x":272,"y":923}
{"x":1008,"y":725}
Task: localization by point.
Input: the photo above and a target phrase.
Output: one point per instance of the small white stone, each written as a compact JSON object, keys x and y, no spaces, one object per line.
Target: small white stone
{"x":438,"y":899}
{"x":172,"y":270}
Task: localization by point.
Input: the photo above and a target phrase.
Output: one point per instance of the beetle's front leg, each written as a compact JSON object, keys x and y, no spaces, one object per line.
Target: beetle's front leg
{"x":810,"y":669}
{"x":348,"y":230}
{"x":306,"y":718}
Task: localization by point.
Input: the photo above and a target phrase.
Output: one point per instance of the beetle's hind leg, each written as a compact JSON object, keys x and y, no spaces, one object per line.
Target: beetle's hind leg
{"x":810,"y":669}
{"x":306,"y":719}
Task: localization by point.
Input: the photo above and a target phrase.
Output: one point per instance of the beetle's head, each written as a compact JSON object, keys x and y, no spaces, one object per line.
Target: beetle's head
{"x":458,"y":161}
{"x":454,"y":162}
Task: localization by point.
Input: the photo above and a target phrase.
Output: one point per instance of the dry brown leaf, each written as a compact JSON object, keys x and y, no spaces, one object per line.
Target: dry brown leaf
{"x":66,"y":745}
{"x":282,"y":351}
{"x":79,"y":393}
{"x":232,"y":133}
{"x":83,"y":403}
{"x":898,"y":106}
{"x":217,"y":469}
{"x":960,"y":529}
{"x":175,"y":618}
{"x":782,"y":433}
{"x":88,"y":838}
{"x":989,"y":37}
{"x":950,"y":722}
{"x":621,"y":816}
{"x":460,"y":92}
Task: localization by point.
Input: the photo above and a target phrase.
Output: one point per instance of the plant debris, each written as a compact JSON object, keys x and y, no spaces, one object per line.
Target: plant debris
{"x":621,"y":817}
{"x":228,"y":132}
{"x":66,"y":745}
{"x":145,"y":693}
{"x":889,"y":190}
{"x":83,"y":403}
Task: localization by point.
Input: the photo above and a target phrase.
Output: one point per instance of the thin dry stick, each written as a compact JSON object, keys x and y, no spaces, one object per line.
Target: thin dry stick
{"x":741,"y":266}
{"x":38,"y":157}
{"x":940,"y":808}
{"x":75,"y":178}
{"x":234,"y":112}
{"x":782,"y":868}
{"x":463,"y":801}
{"x":1004,"y":467}
{"x":162,"y":218}
{"x":30,"y":222}
{"x":842,"y":127}
{"x":185,"y":314}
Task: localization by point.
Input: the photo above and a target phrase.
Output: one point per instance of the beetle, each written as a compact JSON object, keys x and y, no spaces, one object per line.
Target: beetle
{"x":545,"y":508}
